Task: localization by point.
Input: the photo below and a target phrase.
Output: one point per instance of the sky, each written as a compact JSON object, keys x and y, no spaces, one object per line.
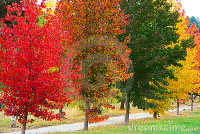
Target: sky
{"x":192,"y":7}
{"x":39,"y":1}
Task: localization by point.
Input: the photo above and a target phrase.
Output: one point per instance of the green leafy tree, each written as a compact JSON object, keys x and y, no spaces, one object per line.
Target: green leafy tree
{"x":152,"y":26}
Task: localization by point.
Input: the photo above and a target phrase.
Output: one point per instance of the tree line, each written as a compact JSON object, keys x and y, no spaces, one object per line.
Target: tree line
{"x":59,"y":52}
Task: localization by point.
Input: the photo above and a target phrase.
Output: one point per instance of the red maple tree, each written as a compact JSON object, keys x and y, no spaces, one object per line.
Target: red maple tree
{"x":27,"y":54}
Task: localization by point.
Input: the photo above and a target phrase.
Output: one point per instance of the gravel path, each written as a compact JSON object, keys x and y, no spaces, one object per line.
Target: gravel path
{"x":79,"y":126}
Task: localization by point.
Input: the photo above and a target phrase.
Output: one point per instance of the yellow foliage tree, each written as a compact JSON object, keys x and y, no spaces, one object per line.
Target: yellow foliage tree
{"x":162,"y":105}
{"x":50,"y":5}
{"x":186,"y":75}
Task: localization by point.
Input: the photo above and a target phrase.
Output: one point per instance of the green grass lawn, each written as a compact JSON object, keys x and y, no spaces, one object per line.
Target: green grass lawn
{"x":187,"y":123}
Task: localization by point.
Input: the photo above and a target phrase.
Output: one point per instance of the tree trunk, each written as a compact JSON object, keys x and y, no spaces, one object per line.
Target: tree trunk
{"x":192,"y":101}
{"x":177,"y":110}
{"x":155,"y":115}
{"x":100,"y":111}
{"x":24,"y":124}
{"x":13,"y":121}
{"x":60,"y":112}
{"x":127,"y":108}
{"x":86,"y":116}
{"x":122,"y":105}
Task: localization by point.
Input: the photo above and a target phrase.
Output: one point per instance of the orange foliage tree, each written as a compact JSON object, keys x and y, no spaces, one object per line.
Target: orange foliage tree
{"x":92,"y":26}
{"x":195,"y":33}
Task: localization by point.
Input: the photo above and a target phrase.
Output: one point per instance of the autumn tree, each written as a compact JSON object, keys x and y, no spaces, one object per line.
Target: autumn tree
{"x":194,"y":92}
{"x":162,"y":106}
{"x":3,"y":12}
{"x":93,"y":26}
{"x":186,"y":78}
{"x":186,"y":75}
{"x":66,"y":70}
{"x":152,"y":26}
{"x":27,"y":55}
